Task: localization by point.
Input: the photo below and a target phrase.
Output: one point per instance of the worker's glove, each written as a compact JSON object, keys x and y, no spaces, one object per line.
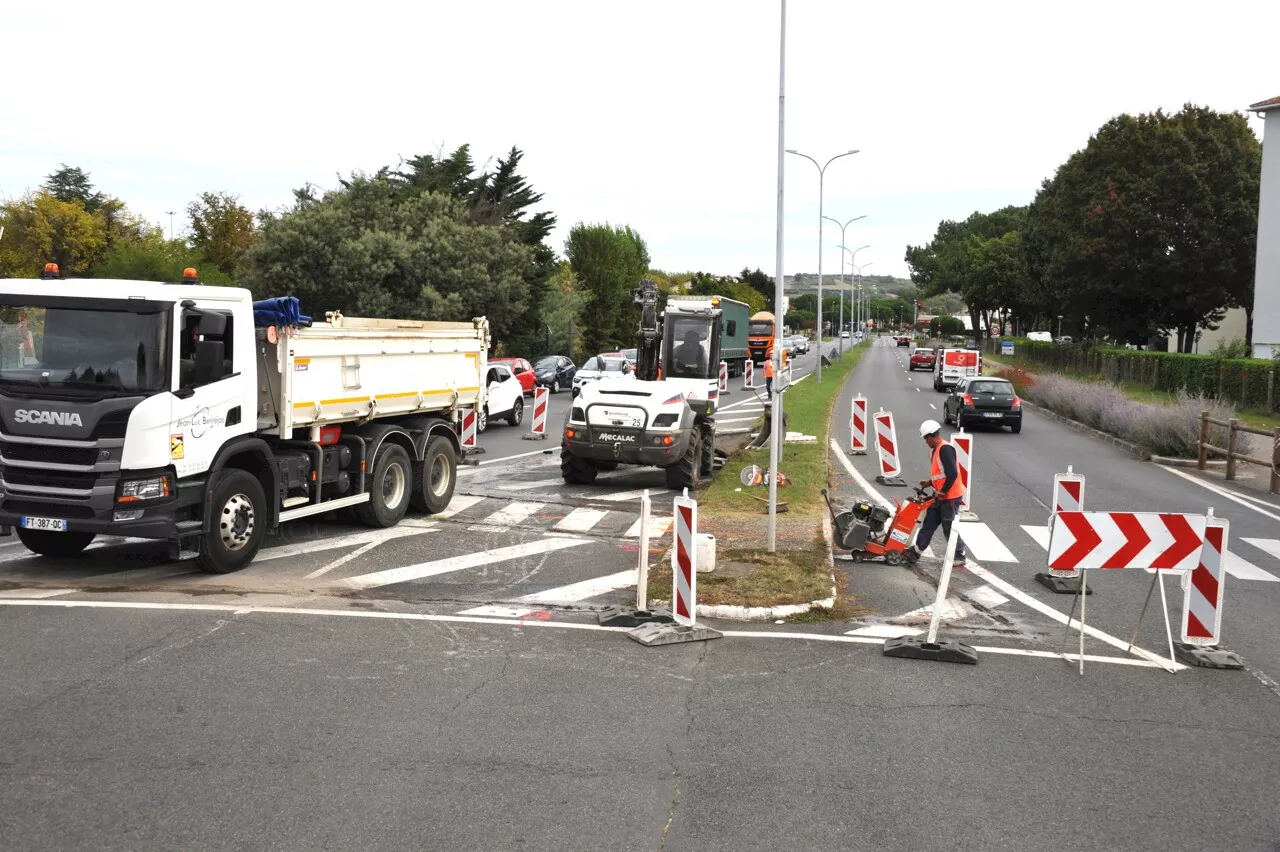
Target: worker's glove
{"x":924,"y":483}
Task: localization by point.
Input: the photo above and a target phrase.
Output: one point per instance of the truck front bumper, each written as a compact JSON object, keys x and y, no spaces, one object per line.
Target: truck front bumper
{"x":98,"y":512}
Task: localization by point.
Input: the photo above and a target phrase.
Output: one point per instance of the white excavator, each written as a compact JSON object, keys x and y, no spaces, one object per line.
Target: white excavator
{"x":665,"y":417}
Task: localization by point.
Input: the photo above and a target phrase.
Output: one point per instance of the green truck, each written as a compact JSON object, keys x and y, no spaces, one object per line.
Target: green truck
{"x":734,"y":328}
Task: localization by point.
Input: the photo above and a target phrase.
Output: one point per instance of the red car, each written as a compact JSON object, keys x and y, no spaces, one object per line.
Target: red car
{"x":922,"y":359}
{"x":522,"y":370}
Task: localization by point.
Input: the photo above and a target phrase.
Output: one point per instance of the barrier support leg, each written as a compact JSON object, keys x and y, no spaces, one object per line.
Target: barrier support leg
{"x":616,"y":616}
{"x":950,"y":651}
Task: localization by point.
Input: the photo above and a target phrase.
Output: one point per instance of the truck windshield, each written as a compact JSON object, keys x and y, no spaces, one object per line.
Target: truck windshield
{"x":761,"y":329}
{"x":108,"y":351}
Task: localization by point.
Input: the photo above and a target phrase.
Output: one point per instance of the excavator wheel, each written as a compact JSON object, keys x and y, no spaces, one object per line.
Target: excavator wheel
{"x":576,"y":471}
{"x":687,"y":473}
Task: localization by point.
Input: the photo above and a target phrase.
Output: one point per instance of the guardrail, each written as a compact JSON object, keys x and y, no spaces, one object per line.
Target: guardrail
{"x":1231,"y":451}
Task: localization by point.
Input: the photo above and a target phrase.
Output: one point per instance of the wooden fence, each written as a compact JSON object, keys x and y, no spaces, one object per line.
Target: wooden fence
{"x":1231,"y":451}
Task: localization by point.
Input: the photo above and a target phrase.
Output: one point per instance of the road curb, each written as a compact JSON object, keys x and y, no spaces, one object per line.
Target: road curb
{"x":1169,"y":461}
{"x":1129,"y":447}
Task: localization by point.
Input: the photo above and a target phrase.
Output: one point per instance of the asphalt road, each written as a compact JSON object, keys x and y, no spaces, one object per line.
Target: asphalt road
{"x":459,"y":694}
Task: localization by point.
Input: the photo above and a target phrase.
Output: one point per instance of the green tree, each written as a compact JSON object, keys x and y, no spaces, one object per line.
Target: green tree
{"x":608,"y":261}
{"x":70,"y":184}
{"x":222,"y":230}
{"x":39,"y":228}
{"x":153,"y":258}
{"x":1152,"y":227}
{"x":560,"y":317}
{"x":371,"y":249}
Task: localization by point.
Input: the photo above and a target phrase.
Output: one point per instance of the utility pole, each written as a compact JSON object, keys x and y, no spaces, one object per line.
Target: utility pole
{"x":775,"y":437}
{"x":170,"y":212}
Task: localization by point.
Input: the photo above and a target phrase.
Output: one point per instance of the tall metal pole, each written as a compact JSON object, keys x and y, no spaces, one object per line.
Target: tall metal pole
{"x":775,"y":437}
{"x":822,"y":171}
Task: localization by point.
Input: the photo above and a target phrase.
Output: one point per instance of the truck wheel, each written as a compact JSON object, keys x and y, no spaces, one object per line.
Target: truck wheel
{"x":237,"y":525}
{"x":58,"y":545}
{"x":435,"y":478}
{"x":517,"y":413}
{"x":577,"y":471}
{"x":389,"y":488}
{"x":687,"y":473}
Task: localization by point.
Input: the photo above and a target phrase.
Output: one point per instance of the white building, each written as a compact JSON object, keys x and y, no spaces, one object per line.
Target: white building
{"x":1234,"y":325}
{"x":1266,"y":282}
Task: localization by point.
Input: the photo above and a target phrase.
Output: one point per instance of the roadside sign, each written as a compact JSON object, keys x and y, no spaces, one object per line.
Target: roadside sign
{"x":1006,"y":347}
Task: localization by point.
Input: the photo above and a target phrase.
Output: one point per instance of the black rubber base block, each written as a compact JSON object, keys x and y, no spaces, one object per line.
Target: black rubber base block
{"x":1061,"y":585}
{"x":616,"y":616}
{"x":915,"y":648}
{"x":1207,"y":656}
{"x":893,"y":481}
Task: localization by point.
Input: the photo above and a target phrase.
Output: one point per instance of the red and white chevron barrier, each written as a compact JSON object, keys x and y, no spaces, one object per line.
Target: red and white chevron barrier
{"x":684,"y":595}
{"x":1202,"y":604}
{"x":724,"y":377}
{"x":1166,"y":542}
{"x":749,"y":374}
{"x":1068,"y":492}
{"x":469,"y":428}
{"x":540,"y":397}
{"x":858,"y":426}
{"x":887,"y":444}
{"x":963,"y":442}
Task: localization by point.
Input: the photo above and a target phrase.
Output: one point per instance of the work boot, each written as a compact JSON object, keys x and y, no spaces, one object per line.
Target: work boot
{"x":911,"y":555}
{"x":958,"y":561}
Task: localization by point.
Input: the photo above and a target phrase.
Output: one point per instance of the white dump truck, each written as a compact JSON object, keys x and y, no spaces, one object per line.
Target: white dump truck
{"x":193,"y":415}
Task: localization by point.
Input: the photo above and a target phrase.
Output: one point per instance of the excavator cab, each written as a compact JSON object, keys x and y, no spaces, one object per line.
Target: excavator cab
{"x":691,"y":343}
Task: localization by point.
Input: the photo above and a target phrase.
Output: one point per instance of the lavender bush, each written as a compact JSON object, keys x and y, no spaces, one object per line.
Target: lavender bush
{"x":1163,"y":430}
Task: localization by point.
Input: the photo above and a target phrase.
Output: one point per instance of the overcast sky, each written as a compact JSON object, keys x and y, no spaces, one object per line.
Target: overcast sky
{"x":657,"y":114}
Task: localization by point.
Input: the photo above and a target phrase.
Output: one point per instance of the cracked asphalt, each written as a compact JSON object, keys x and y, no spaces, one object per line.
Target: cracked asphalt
{"x":166,"y":729}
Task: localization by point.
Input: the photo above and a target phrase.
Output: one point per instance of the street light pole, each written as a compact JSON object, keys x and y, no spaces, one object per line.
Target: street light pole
{"x":852,"y":263}
{"x":775,"y":437}
{"x":1059,"y":325}
{"x":822,"y":171}
{"x":842,"y":246}
{"x":170,"y":212}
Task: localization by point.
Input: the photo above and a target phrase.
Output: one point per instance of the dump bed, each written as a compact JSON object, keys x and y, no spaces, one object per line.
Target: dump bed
{"x":352,"y":369}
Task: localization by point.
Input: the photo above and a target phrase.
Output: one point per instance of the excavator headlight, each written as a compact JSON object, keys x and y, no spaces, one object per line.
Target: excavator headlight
{"x":665,"y":421}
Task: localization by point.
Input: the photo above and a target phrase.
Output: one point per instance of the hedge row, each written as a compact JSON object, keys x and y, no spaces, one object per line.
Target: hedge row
{"x":1246,"y":382}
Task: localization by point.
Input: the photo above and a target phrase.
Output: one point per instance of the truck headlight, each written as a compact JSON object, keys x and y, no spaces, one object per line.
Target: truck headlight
{"x":665,"y":421}
{"x":147,"y":488}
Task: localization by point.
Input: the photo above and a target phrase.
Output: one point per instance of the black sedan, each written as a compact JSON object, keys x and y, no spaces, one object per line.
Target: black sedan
{"x":555,"y":372}
{"x":984,"y":400}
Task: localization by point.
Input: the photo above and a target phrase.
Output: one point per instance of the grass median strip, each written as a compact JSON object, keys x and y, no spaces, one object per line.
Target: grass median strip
{"x":808,"y":409}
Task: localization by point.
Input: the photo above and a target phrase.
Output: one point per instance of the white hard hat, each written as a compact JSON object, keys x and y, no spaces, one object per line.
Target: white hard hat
{"x":929,"y":427}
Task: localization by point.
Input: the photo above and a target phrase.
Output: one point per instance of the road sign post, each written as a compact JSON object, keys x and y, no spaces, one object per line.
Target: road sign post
{"x":858,"y":426}
{"x":950,"y":651}
{"x":1068,"y":496}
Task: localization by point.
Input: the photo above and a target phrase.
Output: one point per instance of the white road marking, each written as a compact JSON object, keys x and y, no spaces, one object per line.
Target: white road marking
{"x":917,"y":390}
{"x":342,"y":560}
{"x":462,"y":562}
{"x":459,"y":503}
{"x":580,"y":520}
{"x":495,"y":611}
{"x":528,"y":486}
{"x":516,"y":456}
{"x":1038,"y":534}
{"x":934,"y":407}
{"x":988,"y":597}
{"x":1008,"y":589}
{"x":983,"y":544}
{"x":1238,"y":567}
{"x":1219,"y":491}
{"x":511,"y":514}
{"x":575,"y":592}
{"x":658,"y":527}
{"x":884,"y":631}
{"x":302,"y":548}
{"x":623,"y":496}
{"x":36,"y":594}
{"x":249,"y":609}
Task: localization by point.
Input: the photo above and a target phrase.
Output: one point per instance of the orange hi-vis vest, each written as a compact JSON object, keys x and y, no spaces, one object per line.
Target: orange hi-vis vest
{"x":938,"y":478}
{"x":768,"y":368}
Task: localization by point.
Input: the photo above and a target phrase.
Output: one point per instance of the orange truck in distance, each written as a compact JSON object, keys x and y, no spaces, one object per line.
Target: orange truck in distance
{"x":760,"y":335}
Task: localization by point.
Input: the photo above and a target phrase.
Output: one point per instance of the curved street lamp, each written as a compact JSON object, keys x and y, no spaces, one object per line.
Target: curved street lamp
{"x":842,"y":227}
{"x":822,"y":171}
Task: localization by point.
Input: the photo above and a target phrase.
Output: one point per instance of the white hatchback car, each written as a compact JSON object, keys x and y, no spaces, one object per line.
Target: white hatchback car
{"x":504,"y":398}
{"x":602,"y":367}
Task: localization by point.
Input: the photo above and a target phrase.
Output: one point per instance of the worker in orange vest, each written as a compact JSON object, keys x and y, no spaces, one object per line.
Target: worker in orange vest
{"x":944,"y":476}
{"x":768,"y":373}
